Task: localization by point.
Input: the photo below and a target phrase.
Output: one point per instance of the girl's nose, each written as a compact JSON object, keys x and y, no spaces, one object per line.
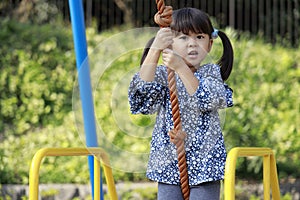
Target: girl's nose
{"x":192,"y":42}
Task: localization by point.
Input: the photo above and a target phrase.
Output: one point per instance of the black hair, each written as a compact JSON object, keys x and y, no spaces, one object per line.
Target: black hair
{"x":226,"y":61}
{"x":146,"y":50}
{"x":188,"y":20}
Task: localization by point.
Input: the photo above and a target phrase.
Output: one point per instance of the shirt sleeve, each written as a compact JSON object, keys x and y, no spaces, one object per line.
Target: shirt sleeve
{"x":146,"y":97}
{"x":212,"y":93}
{"x":229,"y":94}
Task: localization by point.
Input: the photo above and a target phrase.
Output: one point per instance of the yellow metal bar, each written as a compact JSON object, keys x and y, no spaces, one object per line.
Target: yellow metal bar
{"x":270,"y":171}
{"x":99,"y":154}
{"x":274,"y":178}
{"x":96,"y":178}
{"x":34,"y":174}
{"x":229,"y":180}
{"x":266,"y":177}
{"x":109,"y":178}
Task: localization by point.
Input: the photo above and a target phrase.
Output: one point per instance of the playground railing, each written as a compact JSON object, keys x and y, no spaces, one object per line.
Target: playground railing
{"x":270,"y":178}
{"x":99,"y":155}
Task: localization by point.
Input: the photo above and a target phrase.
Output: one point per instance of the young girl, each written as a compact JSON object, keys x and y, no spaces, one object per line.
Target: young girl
{"x":201,"y":92}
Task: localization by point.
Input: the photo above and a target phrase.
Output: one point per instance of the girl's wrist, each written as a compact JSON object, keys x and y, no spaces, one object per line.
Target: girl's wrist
{"x":155,"y":51}
{"x":183,"y":69}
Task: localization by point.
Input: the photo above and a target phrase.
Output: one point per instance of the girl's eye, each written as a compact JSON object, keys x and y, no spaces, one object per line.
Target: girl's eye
{"x":183,"y":37}
{"x":200,"y":36}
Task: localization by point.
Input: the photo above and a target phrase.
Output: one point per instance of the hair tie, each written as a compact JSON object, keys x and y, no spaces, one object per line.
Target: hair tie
{"x":214,"y":34}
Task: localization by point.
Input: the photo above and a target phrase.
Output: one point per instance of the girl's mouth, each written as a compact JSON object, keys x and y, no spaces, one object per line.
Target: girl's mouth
{"x":192,"y":53}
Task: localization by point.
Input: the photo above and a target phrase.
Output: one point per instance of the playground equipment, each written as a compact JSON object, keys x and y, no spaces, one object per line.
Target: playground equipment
{"x":164,"y":18}
{"x":84,"y":80}
{"x":270,"y":179}
{"x":98,"y":155}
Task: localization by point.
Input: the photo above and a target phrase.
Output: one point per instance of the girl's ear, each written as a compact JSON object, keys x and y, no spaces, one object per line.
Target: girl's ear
{"x":211,"y":41}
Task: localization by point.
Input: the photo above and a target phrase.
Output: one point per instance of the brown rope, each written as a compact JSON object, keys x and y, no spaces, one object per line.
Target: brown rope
{"x":164,"y":18}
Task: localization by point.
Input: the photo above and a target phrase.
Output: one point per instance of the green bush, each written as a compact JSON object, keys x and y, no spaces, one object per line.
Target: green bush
{"x":36,"y":88}
{"x":140,"y":193}
{"x":266,"y":81}
{"x":36,"y":82}
{"x":37,"y":74}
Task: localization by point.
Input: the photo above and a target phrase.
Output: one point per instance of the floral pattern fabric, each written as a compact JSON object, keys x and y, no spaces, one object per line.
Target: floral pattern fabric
{"x":204,"y":145}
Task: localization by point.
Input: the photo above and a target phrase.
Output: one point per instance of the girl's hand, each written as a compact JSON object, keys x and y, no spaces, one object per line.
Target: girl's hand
{"x":163,"y":39}
{"x":172,"y":60}
{"x":177,"y":63}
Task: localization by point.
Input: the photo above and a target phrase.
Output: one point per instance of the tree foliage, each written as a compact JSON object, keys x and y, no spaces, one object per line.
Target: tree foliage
{"x":266,"y":81}
{"x":36,"y":88}
{"x":37,"y":73}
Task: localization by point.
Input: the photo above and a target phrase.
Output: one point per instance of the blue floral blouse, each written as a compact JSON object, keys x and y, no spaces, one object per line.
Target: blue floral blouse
{"x":204,"y":145}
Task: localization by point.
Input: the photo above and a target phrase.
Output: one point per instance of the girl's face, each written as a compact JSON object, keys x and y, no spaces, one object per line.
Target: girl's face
{"x":192,"y":47}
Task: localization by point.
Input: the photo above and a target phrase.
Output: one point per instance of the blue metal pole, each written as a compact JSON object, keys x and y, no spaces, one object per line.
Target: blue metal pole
{"x":85,"y":89}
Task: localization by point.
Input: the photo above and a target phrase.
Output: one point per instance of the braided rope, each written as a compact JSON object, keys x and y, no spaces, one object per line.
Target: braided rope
{"x":164,"y":18}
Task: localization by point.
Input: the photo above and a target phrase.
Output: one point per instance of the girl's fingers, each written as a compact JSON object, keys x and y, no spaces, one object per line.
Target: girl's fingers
{"x":167,"y":51}
{"x":167,"y":56}
{"x":163,"y":39}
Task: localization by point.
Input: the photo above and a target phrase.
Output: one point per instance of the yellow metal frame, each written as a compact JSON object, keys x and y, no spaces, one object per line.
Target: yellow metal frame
{"x":270,"y":178}
{"x":99,"y":155}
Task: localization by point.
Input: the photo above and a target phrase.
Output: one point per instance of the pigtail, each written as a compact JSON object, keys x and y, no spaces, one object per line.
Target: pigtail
{"x":146,"y":50}
{"x":226,"y":61}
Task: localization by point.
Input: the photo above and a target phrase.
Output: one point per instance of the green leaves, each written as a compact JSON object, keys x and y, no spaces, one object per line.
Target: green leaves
{"x":37,"y":74}
{"x":266,"y":82}
{"x":36,"y":77}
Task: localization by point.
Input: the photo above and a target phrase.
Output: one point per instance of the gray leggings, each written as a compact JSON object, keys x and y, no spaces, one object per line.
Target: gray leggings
{"x":203,"y":191}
